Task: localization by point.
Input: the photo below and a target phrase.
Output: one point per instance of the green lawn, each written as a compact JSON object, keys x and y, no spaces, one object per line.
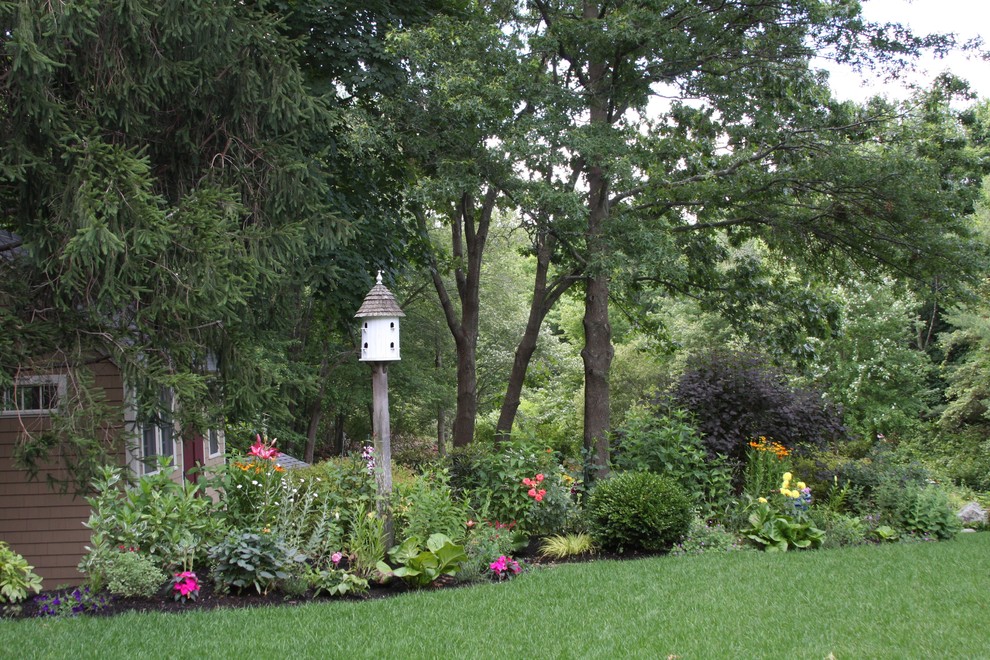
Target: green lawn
{"x":908,"y":600}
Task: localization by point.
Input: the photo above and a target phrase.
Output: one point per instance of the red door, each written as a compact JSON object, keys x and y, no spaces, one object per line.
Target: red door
{"x":192,"y":456}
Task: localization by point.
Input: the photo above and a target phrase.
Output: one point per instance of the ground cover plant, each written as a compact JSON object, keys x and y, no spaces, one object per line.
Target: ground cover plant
{"x":898,"y":600}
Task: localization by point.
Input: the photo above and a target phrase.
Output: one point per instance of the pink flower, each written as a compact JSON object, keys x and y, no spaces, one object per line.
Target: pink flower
{"x":469,"y":524}
{"x":263,"y":450}
{"x":539,"y":478}
{"x":528,"y":482}
{"x":539,"y":495}
{"x":532,"y":492}
{"x":336,"y":557}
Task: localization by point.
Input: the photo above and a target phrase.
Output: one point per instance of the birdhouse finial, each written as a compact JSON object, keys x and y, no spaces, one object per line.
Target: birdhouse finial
{"x":379,"y":278}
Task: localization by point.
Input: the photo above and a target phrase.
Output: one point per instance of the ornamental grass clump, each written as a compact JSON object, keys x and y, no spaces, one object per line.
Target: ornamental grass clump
{"x":638,"y":511}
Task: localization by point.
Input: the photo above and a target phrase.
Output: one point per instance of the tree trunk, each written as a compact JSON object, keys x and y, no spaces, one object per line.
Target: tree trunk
{"x":544,"y":298}
{"x":316,"y":410}
{"x":469,"y":233}
{"x":597,"y":352}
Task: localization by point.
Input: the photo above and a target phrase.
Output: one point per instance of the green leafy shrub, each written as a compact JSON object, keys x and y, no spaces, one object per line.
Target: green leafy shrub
{"x":420,"y":566}
{"x":492,"y":479}
{"x":165,"y":519}
{"x":17,"y":577}
{"x":703,"y":537}
{"x":246,"y":559}
{"x":638,"y":511}
{"x":335,"y":582}
{"x":427,"y":506}
{"x":133,"y":574}
{"x":344,"y":485}
{"x":486,"y":542}
{"x":923,"y":511}
{"x":840,"y":529}
{"x":773,"y":530}
{"x":655,"y":439}
{"x":736,"y":396}
{"x":366,"y":543}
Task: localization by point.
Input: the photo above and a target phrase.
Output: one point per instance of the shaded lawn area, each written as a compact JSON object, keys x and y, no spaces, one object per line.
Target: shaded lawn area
{"x":902,"y":600}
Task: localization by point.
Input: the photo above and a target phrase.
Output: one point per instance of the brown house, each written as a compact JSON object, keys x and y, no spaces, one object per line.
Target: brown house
{"x":47,"y":527}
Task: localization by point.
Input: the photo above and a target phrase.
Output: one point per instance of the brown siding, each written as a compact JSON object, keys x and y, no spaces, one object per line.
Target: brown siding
{"x":46,"y":527}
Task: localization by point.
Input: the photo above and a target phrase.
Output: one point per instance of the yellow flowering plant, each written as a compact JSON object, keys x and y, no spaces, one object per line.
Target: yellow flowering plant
{"x":780,"y":522}
{"x":764,"y":459}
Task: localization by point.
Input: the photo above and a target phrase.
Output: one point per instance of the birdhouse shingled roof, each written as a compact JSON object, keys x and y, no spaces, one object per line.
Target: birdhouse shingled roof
{"x":379,"y":302}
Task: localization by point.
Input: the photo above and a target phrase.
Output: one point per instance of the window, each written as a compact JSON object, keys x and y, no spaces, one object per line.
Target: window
{"x":213,"y":443}
{"x":157,"y":439}
{"x":32,"y":395}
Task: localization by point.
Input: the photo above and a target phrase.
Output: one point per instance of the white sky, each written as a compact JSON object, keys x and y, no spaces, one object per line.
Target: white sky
{"x":966,"y":18}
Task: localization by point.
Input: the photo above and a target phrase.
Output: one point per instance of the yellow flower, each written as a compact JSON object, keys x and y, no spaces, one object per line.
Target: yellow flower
{"x":762,"y":500}
{"x":801,"y":485}
{"x":788,"y":476}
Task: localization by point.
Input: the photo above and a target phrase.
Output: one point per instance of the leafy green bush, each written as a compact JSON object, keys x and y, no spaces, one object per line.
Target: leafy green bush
{"x":485,"y":543}
{"x":366,"y":542}
{"x":246,"y":559}
{"x":427,"y":506}
{"x":165,"y":519}
{"x":654,"y":439}
{"x":774,"y":530}
{"x":919,"y":510}
{"x":17,"y":577}
{"x":335,"y":582}
{"x":492,"y":480}
{"x":840,"y":529}
{"x":737,"y":396}
{"x":420,"y":566}
{"x":703,"y":537}
{"x":638,"y":511}
{"x":133,"y":574}
{"x":342,"y":484}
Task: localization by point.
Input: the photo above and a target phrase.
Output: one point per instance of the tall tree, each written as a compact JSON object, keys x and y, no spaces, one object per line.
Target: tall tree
{"x":164,"y":167}
{"x":704,"y":119}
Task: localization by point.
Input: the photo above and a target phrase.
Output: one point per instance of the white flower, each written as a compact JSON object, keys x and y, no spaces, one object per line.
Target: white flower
{"x":254,"y":483}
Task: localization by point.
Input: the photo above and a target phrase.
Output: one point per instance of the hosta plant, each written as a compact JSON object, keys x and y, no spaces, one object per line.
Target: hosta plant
{"x":775,"y":531}
{"x":419,"y":566}
{"x":246,"y":559}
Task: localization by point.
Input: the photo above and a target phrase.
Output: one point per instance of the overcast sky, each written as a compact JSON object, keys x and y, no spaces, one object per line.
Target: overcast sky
{"x":966,"y":18}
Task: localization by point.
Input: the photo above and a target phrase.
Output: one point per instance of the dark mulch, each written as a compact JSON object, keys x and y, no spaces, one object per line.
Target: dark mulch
{"x":209,"y":599}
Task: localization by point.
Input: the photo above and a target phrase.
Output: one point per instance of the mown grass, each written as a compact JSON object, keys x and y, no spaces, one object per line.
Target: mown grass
{"x":896,"y":601}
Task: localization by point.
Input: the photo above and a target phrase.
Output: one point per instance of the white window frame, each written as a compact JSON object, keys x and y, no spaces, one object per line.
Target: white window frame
{"x":58,"y":380}
{"x":207,"y":441}
{"x":139,"y":459}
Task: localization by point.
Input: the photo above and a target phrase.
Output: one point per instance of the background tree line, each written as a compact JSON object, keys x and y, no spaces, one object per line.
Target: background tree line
{"x":569,"y":199}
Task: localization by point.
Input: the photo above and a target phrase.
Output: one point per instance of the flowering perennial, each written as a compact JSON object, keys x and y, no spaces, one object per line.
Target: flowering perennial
{"x":368,"y":454}
{"x":801,"y":495}
{"x":536,"y":494}
{"x":503,"y":566}
{"x":185,"y":585}
{"x":264,"y":449}
{"x":775,"y":448}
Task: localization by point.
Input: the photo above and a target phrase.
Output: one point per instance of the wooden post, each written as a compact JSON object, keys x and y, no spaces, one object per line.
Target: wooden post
{"x":381,"y":427}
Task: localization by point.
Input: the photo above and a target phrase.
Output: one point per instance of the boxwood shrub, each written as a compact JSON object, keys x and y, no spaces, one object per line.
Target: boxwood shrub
{"x":638,"y":511}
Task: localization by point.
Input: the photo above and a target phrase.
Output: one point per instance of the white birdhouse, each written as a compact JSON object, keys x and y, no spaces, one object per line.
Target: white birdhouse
{"x":379,"y":316}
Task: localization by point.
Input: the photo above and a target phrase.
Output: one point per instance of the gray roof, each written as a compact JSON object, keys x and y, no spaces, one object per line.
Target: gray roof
{"x":10,"y":245}
{"x":379,"y":302}
{"x":290,"y":462}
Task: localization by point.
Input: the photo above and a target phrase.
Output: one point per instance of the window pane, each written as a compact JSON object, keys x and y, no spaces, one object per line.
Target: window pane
{"x":167,"y":448}
{"x":214,"y":442}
